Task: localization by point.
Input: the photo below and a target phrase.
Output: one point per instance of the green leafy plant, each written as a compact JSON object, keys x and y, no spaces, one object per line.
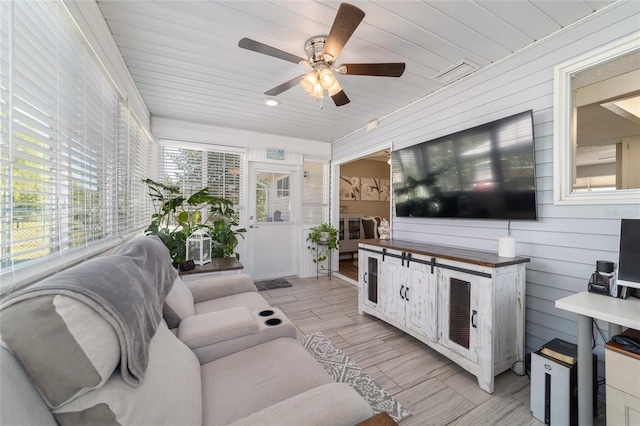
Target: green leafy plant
{"x":176,"y":217}
{"x":323,"y":238}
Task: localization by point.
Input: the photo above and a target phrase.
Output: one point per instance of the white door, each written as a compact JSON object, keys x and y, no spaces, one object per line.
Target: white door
{"x":273,"y":208}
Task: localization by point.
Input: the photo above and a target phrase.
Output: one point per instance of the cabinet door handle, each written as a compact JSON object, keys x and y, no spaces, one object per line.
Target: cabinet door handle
{"x":401,"y":288}
{"x":406,"y":294}
{"x":364,"y":278}
{"x":473,"y":319}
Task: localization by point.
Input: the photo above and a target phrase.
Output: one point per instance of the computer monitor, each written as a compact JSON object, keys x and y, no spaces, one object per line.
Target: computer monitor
{"x":629,"y":254}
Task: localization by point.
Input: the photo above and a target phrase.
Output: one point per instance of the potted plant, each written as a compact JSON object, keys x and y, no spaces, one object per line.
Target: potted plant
{"x":323,"y":238}
{"x":177,"y":217}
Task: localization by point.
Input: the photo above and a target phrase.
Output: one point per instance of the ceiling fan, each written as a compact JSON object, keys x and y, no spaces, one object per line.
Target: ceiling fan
{"x":322,"y":52}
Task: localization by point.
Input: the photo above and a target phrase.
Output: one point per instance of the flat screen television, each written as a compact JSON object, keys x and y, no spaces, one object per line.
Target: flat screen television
{"x":629,"y":253}
{"x":486,"y":172}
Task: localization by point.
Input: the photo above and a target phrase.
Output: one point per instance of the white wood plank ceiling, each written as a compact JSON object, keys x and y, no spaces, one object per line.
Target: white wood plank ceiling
{"x":186,"y":63}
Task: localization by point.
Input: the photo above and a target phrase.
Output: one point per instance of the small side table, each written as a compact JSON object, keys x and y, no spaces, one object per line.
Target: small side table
{"x":320,"y":270}
{"x":217,"y":266}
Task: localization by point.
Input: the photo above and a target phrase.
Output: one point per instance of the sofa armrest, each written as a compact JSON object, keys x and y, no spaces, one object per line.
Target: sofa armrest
{"x":217,"y":334}
{"x":209,"y":288}
{"x":332,"y":404}
{"x":207,"y":329}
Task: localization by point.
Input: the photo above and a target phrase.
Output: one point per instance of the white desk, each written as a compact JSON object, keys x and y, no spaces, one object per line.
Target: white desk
{"x":618,"y":313}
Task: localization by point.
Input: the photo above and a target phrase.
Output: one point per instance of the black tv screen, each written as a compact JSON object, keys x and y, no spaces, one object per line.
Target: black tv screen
{"x":486,"y":172}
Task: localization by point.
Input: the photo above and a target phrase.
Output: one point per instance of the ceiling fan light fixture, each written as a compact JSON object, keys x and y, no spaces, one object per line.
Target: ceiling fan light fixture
{"x":326,"y":78}
{"x":317,"y":90}
{"x":309,"y":82}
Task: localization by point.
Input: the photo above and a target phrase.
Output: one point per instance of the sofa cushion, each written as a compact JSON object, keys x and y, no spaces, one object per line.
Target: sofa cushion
{"x":66,"y":347}
{"x":21,"y":404}
{"x":248,"y":381}
{"x":170,"y":394}
{"x":178,"y":305}
{"x":250,"y":300}
{"x":333,"y":404}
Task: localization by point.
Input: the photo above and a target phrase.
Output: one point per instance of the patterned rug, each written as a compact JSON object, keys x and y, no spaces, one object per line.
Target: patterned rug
{"x":271,"y":284}
{"x":343,"y":369}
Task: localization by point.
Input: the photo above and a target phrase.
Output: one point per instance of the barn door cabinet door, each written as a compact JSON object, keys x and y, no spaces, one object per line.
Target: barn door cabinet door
{"x":459,"y":317}
{"x":370,"y":292}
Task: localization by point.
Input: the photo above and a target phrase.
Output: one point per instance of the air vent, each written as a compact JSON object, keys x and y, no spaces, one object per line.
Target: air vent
{"x":456,"y":72}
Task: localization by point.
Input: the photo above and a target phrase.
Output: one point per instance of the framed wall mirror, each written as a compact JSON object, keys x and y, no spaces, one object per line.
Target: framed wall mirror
{"x":597,"y":126}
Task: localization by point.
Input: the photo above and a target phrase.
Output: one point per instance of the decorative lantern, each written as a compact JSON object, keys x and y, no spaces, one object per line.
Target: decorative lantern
{"x":383,"y":229}
{"x":199,"y":247}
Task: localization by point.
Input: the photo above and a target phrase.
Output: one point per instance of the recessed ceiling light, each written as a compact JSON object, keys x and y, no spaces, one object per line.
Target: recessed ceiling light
{"x":271,"y":102}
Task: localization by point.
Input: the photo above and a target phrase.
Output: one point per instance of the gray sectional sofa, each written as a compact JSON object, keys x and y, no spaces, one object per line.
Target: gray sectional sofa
{"x":121,"y":340}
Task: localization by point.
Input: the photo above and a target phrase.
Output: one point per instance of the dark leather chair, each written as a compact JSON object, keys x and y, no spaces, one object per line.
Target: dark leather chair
{"x":370,"y":227}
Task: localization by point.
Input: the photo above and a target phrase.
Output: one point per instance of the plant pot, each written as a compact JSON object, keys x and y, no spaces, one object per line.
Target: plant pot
{"x":324,"y":237}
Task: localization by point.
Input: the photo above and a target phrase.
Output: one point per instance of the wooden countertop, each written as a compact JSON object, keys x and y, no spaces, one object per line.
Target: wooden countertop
{"x":475,"y":257}
{"x":616,"y":347}
{"x":216,"y":265}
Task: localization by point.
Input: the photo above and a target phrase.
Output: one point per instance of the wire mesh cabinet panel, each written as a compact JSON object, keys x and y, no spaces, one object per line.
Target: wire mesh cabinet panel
{"x":459,"y":312}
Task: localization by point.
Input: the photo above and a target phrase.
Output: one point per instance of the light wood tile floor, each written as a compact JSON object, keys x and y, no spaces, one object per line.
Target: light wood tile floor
{"x":435,"y":390}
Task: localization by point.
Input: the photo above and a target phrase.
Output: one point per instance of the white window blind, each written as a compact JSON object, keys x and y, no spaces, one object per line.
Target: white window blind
{"x":193,"y":169}
{"x":315,"y":192}
{"x":72,"y":154}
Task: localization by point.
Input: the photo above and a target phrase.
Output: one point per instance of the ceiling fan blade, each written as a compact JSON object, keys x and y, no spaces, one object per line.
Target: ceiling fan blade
{"x":256,"y":46}
{"x":284,"y":86}
{"x":340,"y":98}
{"x":389,"y":69}
{"x":345,"y":23}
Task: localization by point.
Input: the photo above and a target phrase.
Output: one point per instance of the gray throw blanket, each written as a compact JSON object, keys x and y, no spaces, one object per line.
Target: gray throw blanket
{"x":127,"y":288}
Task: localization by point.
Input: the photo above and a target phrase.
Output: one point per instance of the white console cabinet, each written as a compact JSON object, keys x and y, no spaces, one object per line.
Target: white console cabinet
{"x":466,"y":304}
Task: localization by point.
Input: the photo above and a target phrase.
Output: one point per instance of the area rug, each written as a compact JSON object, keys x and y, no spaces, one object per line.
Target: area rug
{"x":271,"y":284}
{"x":343,"y":369}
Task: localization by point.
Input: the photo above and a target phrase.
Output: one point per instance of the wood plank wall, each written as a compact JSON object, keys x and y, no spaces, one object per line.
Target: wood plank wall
{"x":566,"y":241}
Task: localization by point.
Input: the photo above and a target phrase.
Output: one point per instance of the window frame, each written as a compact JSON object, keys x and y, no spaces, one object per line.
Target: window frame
{"x":564,"y":127}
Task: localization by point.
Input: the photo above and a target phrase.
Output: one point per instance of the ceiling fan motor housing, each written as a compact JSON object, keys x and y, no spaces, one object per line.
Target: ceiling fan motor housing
{"x":314,"y":47}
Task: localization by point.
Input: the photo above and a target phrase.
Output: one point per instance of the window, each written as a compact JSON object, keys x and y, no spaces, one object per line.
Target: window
{"x":193,"y":169}
{"x":72,"y":155}
{"x":315,"y":192}
{"x":282,"y":187}
{"x":597,"y":126}
{"x":272,"y":196}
